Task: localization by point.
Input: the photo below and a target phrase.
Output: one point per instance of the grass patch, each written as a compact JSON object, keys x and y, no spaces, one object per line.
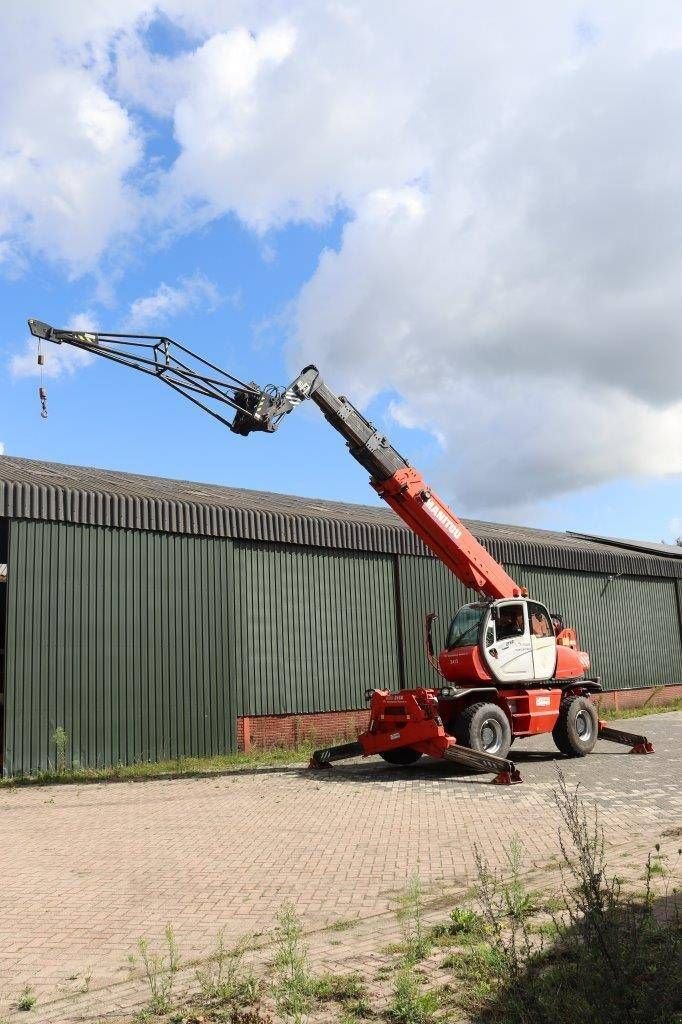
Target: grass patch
{"x":278,"y":756}
{"x":649,"y":709}
{"x":552,"y":904}
{"x":344,"y":925}
{"x":550,"y":929}
{"x":409,"y":1003}
{"x":464,"y":926}
{"x":27,"y":999}
{"x":338,"y":988}
{"x":223,"y":980}
{"x":349,"y":991}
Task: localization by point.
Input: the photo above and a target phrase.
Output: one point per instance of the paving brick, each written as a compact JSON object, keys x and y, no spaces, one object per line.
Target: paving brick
{"x":88,"y":869}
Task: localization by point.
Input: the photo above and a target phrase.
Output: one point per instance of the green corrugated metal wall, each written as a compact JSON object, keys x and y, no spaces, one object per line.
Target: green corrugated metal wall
{"x":146,"y":646}
{"x":314,"y":628}
{"x":425,"y":586}
{"x":122,"y":638}
{"x":630,"y":626}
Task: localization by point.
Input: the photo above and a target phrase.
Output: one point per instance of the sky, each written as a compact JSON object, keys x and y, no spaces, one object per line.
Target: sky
{"x":469,"y":216}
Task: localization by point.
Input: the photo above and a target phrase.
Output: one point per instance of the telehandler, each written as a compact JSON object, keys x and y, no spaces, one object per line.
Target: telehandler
{"x":509,"y":668}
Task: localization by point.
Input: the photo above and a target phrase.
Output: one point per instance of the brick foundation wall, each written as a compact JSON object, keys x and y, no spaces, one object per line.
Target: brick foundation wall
{"x":621,"y":700}
{"x":266,"y":731}
{"x":289,"y":730}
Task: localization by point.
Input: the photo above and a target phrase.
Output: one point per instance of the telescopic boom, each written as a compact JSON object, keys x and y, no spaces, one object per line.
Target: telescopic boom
{"x":261,"y":409}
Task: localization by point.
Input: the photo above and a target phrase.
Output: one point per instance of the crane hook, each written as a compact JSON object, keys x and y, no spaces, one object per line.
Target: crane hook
{"x":42,"y":393}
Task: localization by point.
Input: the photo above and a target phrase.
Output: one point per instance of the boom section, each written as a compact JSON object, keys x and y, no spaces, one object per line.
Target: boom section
{"x":408,"y":494}
{"x":256,"y":408}
{"x":189,"y":374}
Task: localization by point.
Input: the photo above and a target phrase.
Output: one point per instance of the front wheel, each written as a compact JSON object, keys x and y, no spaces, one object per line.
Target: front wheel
{"x":484,"y":727}
{"x":575,"y":732}
{"x":401,"y":755}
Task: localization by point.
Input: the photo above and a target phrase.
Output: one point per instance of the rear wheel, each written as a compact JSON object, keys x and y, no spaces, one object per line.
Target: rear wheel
{"x":575,"y":732}
{"x":484,"y":727}
{"x":401,"y":755}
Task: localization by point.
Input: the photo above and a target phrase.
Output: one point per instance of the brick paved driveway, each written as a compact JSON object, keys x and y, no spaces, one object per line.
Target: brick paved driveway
{"x":87,"y":869}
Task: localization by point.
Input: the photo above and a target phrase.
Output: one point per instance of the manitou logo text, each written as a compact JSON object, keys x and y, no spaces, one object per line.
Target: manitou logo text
{"x":442,"y":518}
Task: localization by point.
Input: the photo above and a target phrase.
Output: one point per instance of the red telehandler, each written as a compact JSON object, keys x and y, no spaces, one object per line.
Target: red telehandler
{"x":509,"y":669}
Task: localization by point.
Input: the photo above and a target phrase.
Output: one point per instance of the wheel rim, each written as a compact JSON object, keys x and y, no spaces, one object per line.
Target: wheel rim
{"x":491,"y":736}
{"x":584,"y":726}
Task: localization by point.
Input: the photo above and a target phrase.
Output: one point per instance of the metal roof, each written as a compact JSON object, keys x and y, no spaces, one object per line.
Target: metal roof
{"x":647,"y":546}
{"x":54,"y":492}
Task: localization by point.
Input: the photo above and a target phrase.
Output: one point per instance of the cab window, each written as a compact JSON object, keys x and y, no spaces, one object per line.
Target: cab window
{"x":465,"y":625}
{"x":540,"y":623}
{"x":510,"y":621}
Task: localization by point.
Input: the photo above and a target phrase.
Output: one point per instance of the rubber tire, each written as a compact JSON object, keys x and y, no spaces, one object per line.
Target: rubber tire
{"x":565,"y":733}
{"x":401,"y":755}
{"x":468,"y":727}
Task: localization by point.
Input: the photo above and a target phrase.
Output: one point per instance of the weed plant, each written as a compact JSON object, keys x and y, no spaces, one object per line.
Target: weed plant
{"x":293,"y":982}
{"x":60,"y":738}
{"x":410,"y":914}
{"x":160,"y":970}
{"x":223,"y":980}
{"x":410,"y":1004}
{"x":27,"y":999}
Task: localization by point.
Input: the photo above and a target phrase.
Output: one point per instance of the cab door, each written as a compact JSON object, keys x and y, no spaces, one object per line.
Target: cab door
{"x":543,"y":641}
{"x":506,"y":642}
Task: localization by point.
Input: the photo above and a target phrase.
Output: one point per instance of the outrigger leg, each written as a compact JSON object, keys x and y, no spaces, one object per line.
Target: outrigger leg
{"x":505,"y":771}
{"x":637,"y":744}
{"x":323,"y":758}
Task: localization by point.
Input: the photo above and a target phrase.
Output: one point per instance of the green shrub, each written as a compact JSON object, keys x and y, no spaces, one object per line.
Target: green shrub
{"x":292,"y":975}
{"x":160,"y":969}
{"x":410,"y":914}
{"x":28,"y":999}
{"x":224,"y":980}
{"x":409,"y":1005}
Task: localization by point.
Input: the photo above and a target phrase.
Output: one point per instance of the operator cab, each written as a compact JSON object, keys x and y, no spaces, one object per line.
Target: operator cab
{"x":515,"y":640}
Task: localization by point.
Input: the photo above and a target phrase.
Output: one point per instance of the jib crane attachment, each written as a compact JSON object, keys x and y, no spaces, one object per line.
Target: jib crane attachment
{"x":517,"y":670}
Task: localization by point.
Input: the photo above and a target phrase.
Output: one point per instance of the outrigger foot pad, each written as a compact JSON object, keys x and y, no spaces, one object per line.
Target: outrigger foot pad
{"x":638,"y":744}
{"x":511,"y":778}
{"x":324,"y":758}
{"x":506,"y":772}
{"x":643,"y":748}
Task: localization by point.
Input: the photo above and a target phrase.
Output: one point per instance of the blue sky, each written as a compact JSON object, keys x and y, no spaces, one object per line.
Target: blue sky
{"x":251,"y":180}
{"x":108,"y":416}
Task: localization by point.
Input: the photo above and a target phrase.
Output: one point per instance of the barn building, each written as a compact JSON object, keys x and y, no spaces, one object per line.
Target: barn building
{"x":154,"y":619}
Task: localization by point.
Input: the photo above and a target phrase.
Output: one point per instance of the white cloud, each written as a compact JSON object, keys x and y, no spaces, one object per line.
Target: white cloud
{"x":512,"y":176}
{"x":66,"y":146}
{"x":293,"y":119}
{"x":59,"y":359}
{"x":190,"y":293}
{"x":522,"y":297}
{"x":2,"y":448}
